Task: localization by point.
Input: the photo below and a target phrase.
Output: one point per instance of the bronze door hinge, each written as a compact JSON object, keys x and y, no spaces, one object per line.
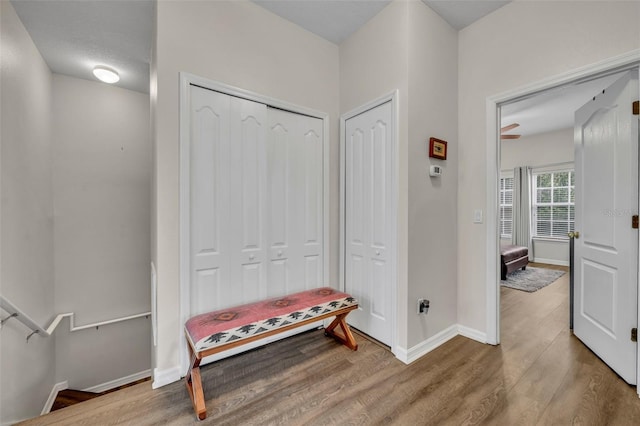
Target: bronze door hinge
{"x":636,"y":108}
{"x":634,"y":334}
{"x":634,"y":221}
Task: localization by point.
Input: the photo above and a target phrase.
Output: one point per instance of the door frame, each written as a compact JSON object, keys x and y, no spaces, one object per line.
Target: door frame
{"x":186,"y":80}
{"x":393,"y":98}
{"x":616,"y":64}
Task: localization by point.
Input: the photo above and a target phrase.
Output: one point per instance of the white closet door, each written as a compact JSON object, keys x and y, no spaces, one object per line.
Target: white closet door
{"x":294,"y":158}
{"x":209,"y":199}
{"x":368,"y":226}
{"x":228,"y":173}
{"x":248,"y":173}
{"x":256,"y":194}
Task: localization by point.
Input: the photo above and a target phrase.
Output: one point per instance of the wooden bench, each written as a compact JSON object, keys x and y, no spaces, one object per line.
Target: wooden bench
{"x":217,"y":331}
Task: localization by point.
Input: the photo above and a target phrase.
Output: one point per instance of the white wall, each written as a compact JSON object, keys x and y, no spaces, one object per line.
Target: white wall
{"x":26,"y":262}
{"x":433,"y":108}
{"x":541,"y":150}
{"x":243,"y":45}
{"x":101,"y":185}
{"x":408,"y":47}
{"x":537,"y":150}
{"x":542,"y":39}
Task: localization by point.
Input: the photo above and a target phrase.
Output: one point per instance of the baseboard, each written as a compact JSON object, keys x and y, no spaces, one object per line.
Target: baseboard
{"x":118,"y":382}
{"x":552,"y":261}
{"x":52,"y":396}
{"x":165,"y":377}
{"x":421,"y":349}
{"x":472,"y":333}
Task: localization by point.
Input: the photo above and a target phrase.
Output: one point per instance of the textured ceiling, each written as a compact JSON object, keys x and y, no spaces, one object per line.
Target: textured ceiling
{"x":74,"y":36}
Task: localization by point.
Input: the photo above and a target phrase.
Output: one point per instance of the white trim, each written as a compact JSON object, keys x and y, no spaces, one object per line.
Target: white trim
{"x":472,"y":333}
{"x":165,"y":377}
{"x":53,"y":395}
{"x":186,"y":79}
{"x":118,"y":382}
{"x":560,"y":167}
{"x":492,"y":143}
{"x":423,"y":348}
{"x":395,"y":177}
{"x":551,"y":261}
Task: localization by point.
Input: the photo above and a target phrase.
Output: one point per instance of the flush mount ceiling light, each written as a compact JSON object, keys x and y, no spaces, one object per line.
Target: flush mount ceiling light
{"x":106,"y":74}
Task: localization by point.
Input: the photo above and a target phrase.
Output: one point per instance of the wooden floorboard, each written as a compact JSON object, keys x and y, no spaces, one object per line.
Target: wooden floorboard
{"x":539,"y":375}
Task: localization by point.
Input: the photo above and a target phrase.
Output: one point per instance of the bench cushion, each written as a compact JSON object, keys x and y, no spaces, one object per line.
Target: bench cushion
{"x":227,"y":325}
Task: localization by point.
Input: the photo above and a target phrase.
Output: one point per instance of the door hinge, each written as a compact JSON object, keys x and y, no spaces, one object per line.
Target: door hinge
{"x":634,"y":221}
{"x":634,"y":334}
{"x":636,"y":108}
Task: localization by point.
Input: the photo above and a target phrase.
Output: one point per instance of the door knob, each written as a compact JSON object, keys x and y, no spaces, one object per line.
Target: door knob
{"x":279,"y":253}
{"x":377,"y":252}
{"x":574,"y":234}
{"x":252,"y":256}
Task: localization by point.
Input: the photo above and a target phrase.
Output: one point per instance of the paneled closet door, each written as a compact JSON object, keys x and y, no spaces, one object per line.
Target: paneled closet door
{"x":368,"y":225}
{"x":256,"y":201}
{"x":210,"y":154}
{"x":227,"y":196}
{"x":294,"y":194}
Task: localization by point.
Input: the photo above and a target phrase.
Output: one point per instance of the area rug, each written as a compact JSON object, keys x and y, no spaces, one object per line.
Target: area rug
{"x":531,"y":279}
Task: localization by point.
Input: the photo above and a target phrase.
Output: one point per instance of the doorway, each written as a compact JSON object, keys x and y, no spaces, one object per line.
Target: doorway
{"x":493,"y":146}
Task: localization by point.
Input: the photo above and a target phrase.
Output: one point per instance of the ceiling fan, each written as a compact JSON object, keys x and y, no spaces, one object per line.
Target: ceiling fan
{"x":506,"y":129}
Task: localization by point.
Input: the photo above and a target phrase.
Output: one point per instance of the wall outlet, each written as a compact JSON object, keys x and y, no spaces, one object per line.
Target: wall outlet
{"x":423,"y":306}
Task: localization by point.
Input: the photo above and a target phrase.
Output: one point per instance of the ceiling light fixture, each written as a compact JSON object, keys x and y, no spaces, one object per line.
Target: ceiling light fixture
{"x":106,"y":74}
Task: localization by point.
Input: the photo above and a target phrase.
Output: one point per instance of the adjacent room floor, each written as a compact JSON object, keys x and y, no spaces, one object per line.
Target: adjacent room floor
{"x":540,"y":374}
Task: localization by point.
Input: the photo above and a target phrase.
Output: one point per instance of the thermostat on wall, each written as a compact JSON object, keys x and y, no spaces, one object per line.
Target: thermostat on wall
{"x":435,"y":171}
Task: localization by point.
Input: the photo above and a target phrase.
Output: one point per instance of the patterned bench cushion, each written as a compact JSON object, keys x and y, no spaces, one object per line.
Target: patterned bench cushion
{"x":227,"y":325}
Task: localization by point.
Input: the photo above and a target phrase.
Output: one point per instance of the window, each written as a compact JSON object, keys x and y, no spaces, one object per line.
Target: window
{"x":553,"y":203}
{"x":506,"y":207}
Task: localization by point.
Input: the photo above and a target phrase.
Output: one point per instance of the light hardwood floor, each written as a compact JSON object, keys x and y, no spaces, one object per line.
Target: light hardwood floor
{"x":540,"y":374}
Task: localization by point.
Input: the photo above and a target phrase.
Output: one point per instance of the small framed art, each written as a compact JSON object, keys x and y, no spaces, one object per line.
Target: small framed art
{"x":437,"y":148}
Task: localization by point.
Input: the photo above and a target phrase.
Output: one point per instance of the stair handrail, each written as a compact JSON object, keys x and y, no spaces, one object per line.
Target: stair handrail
{"x":35,"y":328}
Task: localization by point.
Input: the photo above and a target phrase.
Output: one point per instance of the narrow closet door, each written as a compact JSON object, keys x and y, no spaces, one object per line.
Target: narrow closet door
{"x":209,"y":199}
{"x":247,"y":206}
{"x":368,"y":226}
{"x":294,"y":212}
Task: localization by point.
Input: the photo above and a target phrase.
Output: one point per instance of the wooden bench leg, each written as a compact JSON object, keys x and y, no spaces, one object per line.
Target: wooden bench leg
{"x":194,"y":386}
{"x":347,"y":338}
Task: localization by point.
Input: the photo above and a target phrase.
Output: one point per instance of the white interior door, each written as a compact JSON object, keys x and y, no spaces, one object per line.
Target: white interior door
{"x":606,"y":249}
{"x":368,"y":225}
{"x":228,"y":183}
{"x":294,"y":193}
{"x":256,"y":201}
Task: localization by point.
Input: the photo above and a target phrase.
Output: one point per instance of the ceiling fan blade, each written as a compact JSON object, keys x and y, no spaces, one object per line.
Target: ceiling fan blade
{"x":509,"y":136}
{"x":509,"y":127}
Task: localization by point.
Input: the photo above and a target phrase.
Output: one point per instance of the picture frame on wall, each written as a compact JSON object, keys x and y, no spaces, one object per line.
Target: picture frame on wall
{"x":437,"y":148}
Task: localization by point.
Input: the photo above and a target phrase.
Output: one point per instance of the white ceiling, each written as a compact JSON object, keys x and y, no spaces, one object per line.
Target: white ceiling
{"x":553,"y":109}
{"x":460,"y":14}
{"x":74,"y":36}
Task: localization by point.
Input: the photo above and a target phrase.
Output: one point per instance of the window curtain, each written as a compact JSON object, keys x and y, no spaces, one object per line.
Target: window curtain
{"x":521,"y":234}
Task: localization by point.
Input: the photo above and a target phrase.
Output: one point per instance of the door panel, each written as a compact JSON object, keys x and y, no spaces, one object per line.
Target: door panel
{"x":294,"y":144}
{"x":368,"y":227}
{"x":606,"y":251}
{"x":210,"y":154}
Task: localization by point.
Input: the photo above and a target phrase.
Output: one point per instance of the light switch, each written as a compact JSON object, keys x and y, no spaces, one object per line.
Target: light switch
{"x":477,"y":216}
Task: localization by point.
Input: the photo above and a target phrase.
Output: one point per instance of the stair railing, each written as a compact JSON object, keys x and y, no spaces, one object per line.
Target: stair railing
{"x":16,"y":313}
